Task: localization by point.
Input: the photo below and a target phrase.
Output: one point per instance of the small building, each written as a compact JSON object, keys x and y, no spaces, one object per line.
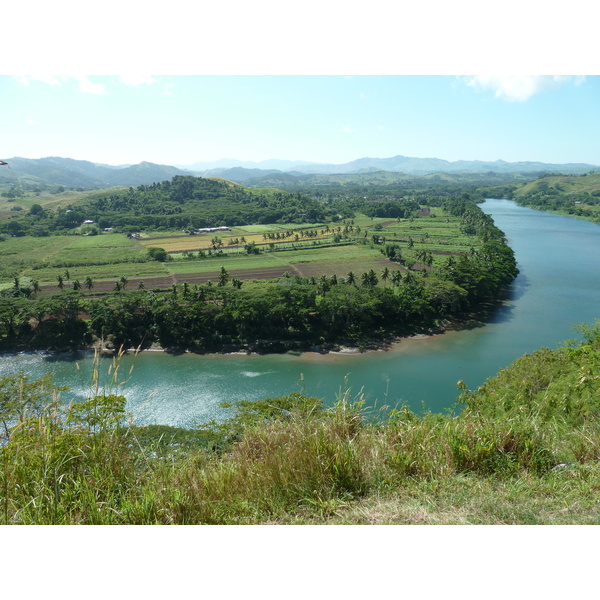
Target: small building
{"x":212,"y":229}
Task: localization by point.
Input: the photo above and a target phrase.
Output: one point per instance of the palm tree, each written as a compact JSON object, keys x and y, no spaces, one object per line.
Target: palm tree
{"x":124,"y":281}
{"x":369,"y":279}
{"x":61,"y":283}
{"x":76,"y":285}
{"x":323,"y":283}
{"x":385,"y":274}
{"x":35,"y":285}
{"x":223,"y":277}
{"x":350,"y":278}
{"x":89,"y":283}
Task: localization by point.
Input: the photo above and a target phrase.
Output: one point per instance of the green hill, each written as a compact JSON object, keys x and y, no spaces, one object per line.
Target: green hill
{"x":568,"y":194}
{"x":195,"y":202}
{"x":184,"y":202}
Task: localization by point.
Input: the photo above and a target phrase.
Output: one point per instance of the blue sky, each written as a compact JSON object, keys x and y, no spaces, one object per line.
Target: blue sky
{"x":323,"y":81}
{"x":185,"y":119}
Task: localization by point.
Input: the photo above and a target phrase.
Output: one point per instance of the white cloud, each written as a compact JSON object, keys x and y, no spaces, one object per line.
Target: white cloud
{"x":31,"y":122}
{"x":48,"y":79}
{"x":347,"y":129}
{"x":167,"y":89}
{"x":380,"y":127}
{"x":137,"y":80}
{"x":519,"y":88}
{"x":86,"y":86}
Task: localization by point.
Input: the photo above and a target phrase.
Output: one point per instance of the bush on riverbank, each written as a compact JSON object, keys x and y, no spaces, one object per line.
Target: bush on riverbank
{"x":523,"y":448}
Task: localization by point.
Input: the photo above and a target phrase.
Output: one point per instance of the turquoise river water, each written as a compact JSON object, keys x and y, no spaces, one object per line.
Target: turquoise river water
{"x":559,"y":286}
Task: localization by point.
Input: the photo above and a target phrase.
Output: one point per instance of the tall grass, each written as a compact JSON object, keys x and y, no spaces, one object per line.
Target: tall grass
{"x":524,"y":448}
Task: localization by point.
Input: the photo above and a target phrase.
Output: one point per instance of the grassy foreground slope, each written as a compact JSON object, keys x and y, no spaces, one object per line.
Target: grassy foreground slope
{"x":524,"y":449}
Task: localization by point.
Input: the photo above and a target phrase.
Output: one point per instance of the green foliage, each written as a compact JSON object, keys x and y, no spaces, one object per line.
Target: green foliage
{"x":98,"y":413}
{"x":196,"y":202}
{"x":21,"y":398}
{"x":183,"y":202}
{"x":252,"y":414}
{"x":158,"y":254}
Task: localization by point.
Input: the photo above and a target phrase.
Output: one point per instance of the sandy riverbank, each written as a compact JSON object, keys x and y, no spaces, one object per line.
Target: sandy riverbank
{"x":296,"y":348}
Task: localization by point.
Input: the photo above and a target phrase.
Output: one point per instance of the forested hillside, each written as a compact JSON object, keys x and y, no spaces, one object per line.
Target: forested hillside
{"x":199,"y":202}
{"x":183,"y":202}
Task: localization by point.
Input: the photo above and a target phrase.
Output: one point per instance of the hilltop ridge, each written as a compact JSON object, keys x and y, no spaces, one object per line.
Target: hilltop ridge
{"x":88,"y":175}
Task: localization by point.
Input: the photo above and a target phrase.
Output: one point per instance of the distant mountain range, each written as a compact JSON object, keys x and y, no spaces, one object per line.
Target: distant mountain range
{"x":84,"y":174}
{"x":395,"y":164}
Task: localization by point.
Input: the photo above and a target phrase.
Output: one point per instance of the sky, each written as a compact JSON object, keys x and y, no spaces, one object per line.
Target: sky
{"x":322,"y":82}
{"x":180,"y":120}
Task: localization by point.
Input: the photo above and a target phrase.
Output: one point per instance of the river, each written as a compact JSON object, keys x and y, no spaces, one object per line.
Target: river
{"x":559,"y":286}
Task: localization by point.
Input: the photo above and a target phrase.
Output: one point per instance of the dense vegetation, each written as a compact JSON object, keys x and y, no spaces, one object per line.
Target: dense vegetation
{"x":183,"y":202}
{"x":186,"y":202}
{"x":357,"y":308}
{"x":523,"y":448}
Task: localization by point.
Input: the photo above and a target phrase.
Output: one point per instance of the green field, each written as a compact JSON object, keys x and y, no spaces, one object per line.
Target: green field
{"x":48,"y":275}
{"x":43,"y":258}
{"x":320,"y":261}
{"x":45,"y":199}
{"x":353,"y":245}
